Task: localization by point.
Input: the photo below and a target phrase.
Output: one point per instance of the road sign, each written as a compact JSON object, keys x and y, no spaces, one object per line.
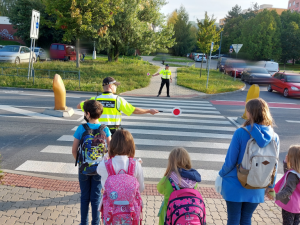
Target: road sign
{"x":176,"y":112}
{"x":237,"y":47}
{"x":148,"y":74}
{"x":35,"y":24}
{"x":212,"y":47}
{"x":230,"y":50}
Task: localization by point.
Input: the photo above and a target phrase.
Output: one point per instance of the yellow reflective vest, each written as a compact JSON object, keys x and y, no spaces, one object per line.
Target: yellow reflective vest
{"x":165,"y":74}
{"x":113,"y":105}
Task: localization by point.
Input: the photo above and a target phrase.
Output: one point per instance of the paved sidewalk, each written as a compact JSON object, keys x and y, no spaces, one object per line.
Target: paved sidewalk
{"x":31,"y":200}
{"x":153,"y":88}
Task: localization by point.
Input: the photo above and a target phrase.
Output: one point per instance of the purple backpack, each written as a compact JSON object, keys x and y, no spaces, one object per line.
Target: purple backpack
{"x":122,"y":201}
{"x":185,"y":206}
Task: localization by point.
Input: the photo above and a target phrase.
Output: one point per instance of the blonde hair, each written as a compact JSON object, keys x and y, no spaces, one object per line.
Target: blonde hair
{"x":259,"y":113}
{"x":178,"y":158}
{"x":293,"y":159}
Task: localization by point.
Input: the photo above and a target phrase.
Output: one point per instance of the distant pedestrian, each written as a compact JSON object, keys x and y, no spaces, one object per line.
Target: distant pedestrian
{"x":242,"y":202}
{"x":165,"y":79}
{"x":180,"y":175}
{"x":288,"y":188}
{"x":91,"y":141}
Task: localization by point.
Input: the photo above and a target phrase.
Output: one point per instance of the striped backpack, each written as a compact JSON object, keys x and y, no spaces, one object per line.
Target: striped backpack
{"x":122,"y":201}
{"x":185,"y":206}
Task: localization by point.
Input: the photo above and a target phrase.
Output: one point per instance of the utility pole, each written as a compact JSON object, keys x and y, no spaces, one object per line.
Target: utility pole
{"x":220,"y":44}
{"x":211,"y":49}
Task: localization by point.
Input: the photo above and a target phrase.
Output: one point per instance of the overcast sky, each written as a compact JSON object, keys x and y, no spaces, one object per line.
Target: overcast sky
{"x":197,"y":8}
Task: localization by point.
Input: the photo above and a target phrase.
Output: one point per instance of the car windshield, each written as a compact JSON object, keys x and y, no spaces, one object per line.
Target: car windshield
{"x":293,"y":79}
{"x":238,"y":65}
{"x":36,"y":50}
{"x":8,"y":48}
{"x":258,"y":70}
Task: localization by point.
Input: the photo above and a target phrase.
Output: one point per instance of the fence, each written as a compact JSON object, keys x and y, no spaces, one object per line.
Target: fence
{"x":40,"y":73}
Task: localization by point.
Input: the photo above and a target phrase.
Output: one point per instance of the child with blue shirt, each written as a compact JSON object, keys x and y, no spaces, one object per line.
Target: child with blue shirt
{"x":90,"y":185}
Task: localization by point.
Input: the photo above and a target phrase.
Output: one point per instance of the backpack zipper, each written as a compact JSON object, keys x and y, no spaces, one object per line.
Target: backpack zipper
{"x":183,"y":207}
{"x":189,"y":214}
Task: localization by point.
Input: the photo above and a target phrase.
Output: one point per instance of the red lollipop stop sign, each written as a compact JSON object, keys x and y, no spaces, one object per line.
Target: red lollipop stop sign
{"x":176,"y":112}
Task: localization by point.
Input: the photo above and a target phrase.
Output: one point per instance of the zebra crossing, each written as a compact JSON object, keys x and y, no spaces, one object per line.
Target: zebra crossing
{"x":201,"y":129}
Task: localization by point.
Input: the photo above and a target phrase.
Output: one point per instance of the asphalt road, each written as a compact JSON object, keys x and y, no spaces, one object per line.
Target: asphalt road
{"x":25,"y":134}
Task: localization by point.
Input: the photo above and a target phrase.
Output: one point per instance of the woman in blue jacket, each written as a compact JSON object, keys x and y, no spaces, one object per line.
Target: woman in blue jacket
{"x":242,"y":202}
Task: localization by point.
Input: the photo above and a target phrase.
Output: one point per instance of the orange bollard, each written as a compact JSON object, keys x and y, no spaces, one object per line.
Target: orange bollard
{"x":59,"y":93}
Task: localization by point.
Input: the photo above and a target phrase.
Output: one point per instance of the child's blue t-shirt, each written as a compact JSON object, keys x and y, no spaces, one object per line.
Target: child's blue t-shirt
{"x":80,"y":130}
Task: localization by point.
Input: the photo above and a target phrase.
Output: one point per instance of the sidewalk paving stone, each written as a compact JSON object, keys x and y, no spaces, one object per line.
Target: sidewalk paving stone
{"x":44,"y":206}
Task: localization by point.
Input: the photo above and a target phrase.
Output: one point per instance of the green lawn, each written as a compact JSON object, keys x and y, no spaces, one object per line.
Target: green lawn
{"x":132,"y":73}
{"x":290,"y":67}
{"x":169,"y":58}
{"x":189,"y":77}
{"x":176,"y":65}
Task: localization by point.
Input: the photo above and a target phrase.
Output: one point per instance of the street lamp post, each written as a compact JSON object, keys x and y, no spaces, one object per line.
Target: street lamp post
{"x":220,"y":44}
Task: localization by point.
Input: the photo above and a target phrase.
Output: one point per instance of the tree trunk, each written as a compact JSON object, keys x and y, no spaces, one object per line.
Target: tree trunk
{"x":110,"y":54}
{"x":293,"y":61}
{"x":77,"y":53}
{"x":201,"y":67}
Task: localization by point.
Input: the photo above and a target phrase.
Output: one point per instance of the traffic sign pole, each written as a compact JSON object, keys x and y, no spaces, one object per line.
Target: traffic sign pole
{"x":211,"y":49}
{"x":29,"y":59}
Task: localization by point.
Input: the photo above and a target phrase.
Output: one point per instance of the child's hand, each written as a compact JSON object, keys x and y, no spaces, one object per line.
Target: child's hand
{"x":140,"y":160}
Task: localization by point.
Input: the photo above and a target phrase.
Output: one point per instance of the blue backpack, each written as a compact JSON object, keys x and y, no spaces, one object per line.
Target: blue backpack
{"x":91,"y":149}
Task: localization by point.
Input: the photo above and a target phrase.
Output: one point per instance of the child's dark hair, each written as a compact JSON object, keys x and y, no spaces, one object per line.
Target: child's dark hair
{"x":122,"y":143}
{"x":94,"y":107}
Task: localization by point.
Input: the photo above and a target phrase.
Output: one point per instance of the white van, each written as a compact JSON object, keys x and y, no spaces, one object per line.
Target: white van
{"x":270,"y":66}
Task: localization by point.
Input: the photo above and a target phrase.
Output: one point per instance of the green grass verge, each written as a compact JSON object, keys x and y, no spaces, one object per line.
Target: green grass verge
{"x":290,"y":67}
{"x":9,"y":43}
{"x":176,"y":65}
{"x":132,"y":74}
{"x":169,"y":58}
{"x":189,"y":77}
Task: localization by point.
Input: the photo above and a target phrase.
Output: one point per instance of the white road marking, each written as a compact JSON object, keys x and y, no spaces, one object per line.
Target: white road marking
{"x":173,"y":106}
{"x":186,"y":115}
{"x":144,"y":154}
{"x":232,"y":119}
{"x":38,"y":95}
{"x":42,"y":118}
{"x":165,"y":100}
{"x":292,"y":121}
{"x":179,"y":133}
{"x":186,"y":110}
{"x":177,"y":104}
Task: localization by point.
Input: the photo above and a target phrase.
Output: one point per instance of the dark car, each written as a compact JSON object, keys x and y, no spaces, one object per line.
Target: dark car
{"x":286,"y":83}
{"x":256,"y":75}
{"x":234,"y":67}
{"x":221,"y":63}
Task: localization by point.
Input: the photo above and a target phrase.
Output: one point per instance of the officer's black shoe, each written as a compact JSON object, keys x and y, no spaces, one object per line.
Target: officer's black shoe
{"x":157,"y":96}
{"x":168,"y":96}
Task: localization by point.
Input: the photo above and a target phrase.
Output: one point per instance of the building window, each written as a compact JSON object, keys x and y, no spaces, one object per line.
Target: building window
{"x":290,"y":4}
{"x":294,"y":3}
{"x":297,"y":5}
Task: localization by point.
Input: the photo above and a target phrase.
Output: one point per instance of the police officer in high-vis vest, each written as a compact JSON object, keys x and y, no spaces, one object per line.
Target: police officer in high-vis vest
{"x":113,"y":105}
{"x":165,"y":79}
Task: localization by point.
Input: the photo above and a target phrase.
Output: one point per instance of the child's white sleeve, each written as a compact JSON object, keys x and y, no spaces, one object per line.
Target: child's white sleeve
{"x":101,"y":170}
{"x":139,"y":175}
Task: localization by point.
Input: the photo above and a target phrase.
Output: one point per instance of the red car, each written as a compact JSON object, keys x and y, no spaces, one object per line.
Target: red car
{"x":232,"y":66}
{"x":286,"y":83}
{"x":62,"y":52}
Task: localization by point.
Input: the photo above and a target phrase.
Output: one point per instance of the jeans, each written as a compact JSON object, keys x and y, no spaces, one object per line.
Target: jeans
{"x":163,"y":82}
{"x":240,"y":213}
{"x":290,"y":218}
{"x":90,"y":187}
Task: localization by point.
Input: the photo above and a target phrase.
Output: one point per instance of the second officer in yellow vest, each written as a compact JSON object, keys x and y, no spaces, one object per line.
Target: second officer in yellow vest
{"x":113,"y":105}
{"x":165,"y":79}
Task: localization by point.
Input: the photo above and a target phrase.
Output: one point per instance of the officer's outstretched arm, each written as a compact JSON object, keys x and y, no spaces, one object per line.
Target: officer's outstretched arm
{"x":79,"y":105}
{"x":145,"y":111}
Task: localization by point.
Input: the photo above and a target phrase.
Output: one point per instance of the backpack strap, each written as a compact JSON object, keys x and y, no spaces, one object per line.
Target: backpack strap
{"x":174,"y":185}
{"x":247,"y":131}
{"x":101,"y":128}
{"x":86,"y":127}
{"x":109,"y":167}
{"x":131,"y":166}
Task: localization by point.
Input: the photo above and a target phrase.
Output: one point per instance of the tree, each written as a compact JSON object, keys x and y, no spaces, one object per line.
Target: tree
{"x":82,"y":18}
{"x":135,"y":27}
{"x":5,"y":6}
{"x":20,"y":16}
{"x":183,"y":34}
{"x":208,"y":33}
{"x":234,"y":12}
{"x":290,"y":36}
{"x":261,"y":36}
{"x":172,"y":18}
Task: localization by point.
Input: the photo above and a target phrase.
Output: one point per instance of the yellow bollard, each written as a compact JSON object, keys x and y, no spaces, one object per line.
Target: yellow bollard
{"x":252,"y":94}
{"x":59,"y":93}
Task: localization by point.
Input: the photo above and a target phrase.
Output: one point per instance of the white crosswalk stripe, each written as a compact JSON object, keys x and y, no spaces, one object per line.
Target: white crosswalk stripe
{"x":200,"y":129}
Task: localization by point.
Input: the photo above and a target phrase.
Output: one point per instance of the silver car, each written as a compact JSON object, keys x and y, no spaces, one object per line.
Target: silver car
{"x":16,"y":54}
{"x":40,"y":54}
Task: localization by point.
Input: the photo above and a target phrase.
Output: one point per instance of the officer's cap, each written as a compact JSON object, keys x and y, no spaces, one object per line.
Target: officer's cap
{"x":109,"y":80}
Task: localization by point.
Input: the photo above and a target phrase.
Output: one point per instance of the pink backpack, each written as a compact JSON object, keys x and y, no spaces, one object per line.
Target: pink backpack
{"x":122,"y":202}
{"x":185,"y":206}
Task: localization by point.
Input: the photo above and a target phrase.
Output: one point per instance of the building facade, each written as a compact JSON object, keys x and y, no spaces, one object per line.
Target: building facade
{"x":294,"y":5}
{"x":7,"y":31}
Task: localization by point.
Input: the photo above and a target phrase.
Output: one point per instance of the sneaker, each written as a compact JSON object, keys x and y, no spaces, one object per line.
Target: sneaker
{"x":168,"y":96}
{"x":157,"y":96}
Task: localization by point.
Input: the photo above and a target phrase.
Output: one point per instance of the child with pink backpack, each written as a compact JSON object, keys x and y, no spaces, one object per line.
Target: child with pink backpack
{"x":123,"y":181}
{"x":183,"y":204}
{"x":288,"y":188}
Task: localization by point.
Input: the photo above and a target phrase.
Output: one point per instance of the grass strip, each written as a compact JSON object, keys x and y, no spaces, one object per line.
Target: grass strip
{"x":189,"y":77}
{"x":132,"y":73}
{"x":290,"y":67}
{"x":168,"y":58}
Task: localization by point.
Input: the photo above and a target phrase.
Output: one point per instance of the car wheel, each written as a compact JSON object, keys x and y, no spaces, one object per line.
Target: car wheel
{"x":286,"y":93}
{"x":270,"y":88}
{"x":38,"y":59}
{"x":17,"y":61}
{"x":242,"y":78}
{"x":33,"y":60}
{"x":232,"y":74}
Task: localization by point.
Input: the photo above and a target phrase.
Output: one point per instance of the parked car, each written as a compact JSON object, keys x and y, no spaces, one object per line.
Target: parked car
{"x":214,"y":57}
{"x":40,"y":54}
{"x":16,"y":54}
{"x":62,"y":52}
{"x":271,"y":66}
{"x":256,"y":75}
{"x":188,"y":55}
{"x":221,"y":63}
{"x":200,"y":57}
{"x":286,"y":83}
{"x":193,"y":54}
{"x":234,"y":67}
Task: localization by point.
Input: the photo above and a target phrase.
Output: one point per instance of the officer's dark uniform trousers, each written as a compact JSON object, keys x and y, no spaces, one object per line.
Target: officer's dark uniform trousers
{"x":163,"y":82}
